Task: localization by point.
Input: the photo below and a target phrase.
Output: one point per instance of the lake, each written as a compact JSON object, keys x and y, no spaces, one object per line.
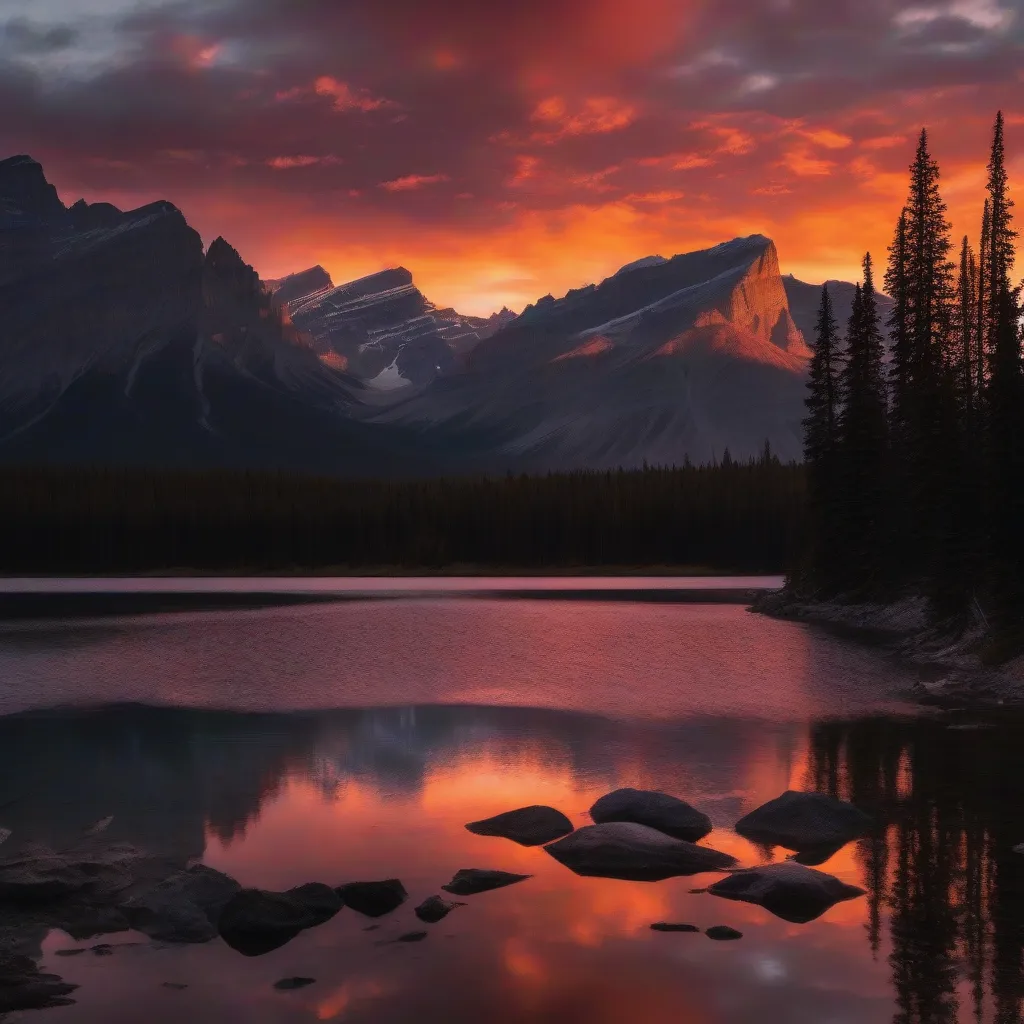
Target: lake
{"x":354,"y":740}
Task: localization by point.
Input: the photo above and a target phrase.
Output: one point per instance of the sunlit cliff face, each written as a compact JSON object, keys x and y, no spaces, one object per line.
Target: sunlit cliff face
{"x":505,"y":150}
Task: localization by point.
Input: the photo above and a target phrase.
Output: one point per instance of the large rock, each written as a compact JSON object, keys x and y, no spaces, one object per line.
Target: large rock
{"x":626,"y":850}
{"x":24,"y":987}
{"x":528,"y":826}
{"x":666,"y":813}
{"x":470,"y":881}
{"x":804,"y":821}
{"x":185,"y":907}
{"x":374,"y":899}
{"x":788,"y":890}
{"x":38,"y":876}
{"x":434,"y":909}
{"x":255,"y":921}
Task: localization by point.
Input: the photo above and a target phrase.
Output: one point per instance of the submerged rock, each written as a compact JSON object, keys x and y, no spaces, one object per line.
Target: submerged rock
{"x":804,"y":821}
{"x":626,"y":850}
{"x":723,"y":933}
{"x":656,"y":810}
{"x":434,"y":909}
{"x":470,"y":881}
{"x":528,"y":826}
{"x":255,"y":921}
{"x":289,"y":984}
{"x":185,"y":907}
{"x":24,"y":987}
{"x":665,"y":926}
{"x":788,"y":890}
{"x":412,"y":937}
{"x":373,"y":899}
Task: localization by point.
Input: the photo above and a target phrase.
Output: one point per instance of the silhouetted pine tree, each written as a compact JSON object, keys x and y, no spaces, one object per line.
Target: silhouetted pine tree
{"x":902,"y":417}
{"x":965,"y":313}
{"x":821,"y":448}
{"x":981,"y":324}
{"x":1005,"y":402}
{"x":864,"y":442}
{"x":933,"y":435}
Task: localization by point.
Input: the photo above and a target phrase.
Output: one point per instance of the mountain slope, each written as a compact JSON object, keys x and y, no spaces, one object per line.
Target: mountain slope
{"x":122,"y":341}
{"x":663,"y":361}
{"x":381,"y":328}
{"x":805,"y":301}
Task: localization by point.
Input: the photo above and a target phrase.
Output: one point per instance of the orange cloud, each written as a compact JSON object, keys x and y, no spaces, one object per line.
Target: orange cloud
{"x":525,"y":169}
{"x":827,"y":138}
{"x":883,"y":142}
{"x":344,"y":98}
{"x":598,"y":114}
{"x":413,"y":181}
{"x":800,"y":162}
{"x":732,"y":141}
{"x":655,"y":197}
{"x":284,"y":163}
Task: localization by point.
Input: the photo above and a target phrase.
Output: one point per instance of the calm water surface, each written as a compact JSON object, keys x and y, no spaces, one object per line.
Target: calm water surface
{"x":354,"y":741}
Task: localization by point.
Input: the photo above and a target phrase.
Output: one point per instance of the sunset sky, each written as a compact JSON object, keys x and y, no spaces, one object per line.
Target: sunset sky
{"x":504,"y":149}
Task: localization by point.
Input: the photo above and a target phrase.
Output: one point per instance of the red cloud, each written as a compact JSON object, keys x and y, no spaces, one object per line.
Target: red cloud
{"x":597,"y":115}
{"x":344,"y":98}
{"x":413,"y":181}
{"x":283,"y":163}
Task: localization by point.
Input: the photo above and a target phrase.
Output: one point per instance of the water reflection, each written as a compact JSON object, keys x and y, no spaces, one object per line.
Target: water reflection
{"x":280,"y":799}
{"x":944,"y":867}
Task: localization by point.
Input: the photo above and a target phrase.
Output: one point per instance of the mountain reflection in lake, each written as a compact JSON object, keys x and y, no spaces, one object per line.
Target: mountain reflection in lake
{"x":276,"y":799}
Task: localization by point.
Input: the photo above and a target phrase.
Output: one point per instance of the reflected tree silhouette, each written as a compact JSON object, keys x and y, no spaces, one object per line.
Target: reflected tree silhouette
{"x":946,"y":798}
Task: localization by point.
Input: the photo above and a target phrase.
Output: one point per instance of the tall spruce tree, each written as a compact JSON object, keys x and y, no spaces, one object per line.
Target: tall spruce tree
{"x":821,"y":452}
{"x":981,"y":324}
{"x":906,"y":567}
{"x":965,"y":328}
{"x":864,"y":443}
{"x":1004,"y":401}
{"x":932,"y":427}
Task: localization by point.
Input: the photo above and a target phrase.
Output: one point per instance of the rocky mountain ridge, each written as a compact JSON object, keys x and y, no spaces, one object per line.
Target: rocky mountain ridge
{"x":124,"y":341}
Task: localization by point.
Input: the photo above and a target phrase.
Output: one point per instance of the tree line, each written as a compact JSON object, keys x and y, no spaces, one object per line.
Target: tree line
{"x":732,"y":516}
{"x":914,"y":435}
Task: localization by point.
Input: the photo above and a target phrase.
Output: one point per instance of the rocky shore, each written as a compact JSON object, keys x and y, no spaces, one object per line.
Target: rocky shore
{"x":953,"y":673}
{"x":97,"y":888}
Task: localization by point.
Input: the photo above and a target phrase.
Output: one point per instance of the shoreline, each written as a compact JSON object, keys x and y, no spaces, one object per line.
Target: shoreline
{"x":962,"y":681}
{"x":27,"y":606}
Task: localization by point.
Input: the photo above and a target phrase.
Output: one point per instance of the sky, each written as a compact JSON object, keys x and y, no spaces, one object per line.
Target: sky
{"x":506,"y":149}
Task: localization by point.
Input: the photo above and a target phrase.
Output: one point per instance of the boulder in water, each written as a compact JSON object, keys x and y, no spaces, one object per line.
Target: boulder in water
{"x":528,"y":826}
{"x":656,"y":810}
{"x":804,"y":821}
{"x":621,"y":849}
{"x":184,"y":907}
{"x":788,"y":890}
{"x":434,"y":909}
{"x":665,"y":926}
{"x":723,"y":933}
{"x":470,"y":881}
{"x":255,"y":921}
{"x":373,"y":899}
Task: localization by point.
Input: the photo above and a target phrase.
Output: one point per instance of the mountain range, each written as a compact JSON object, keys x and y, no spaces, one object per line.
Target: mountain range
{"x":124,"y":341}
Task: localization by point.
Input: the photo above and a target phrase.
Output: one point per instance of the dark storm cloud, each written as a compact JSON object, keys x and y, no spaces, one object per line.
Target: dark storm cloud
{"x":28,"y":37}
